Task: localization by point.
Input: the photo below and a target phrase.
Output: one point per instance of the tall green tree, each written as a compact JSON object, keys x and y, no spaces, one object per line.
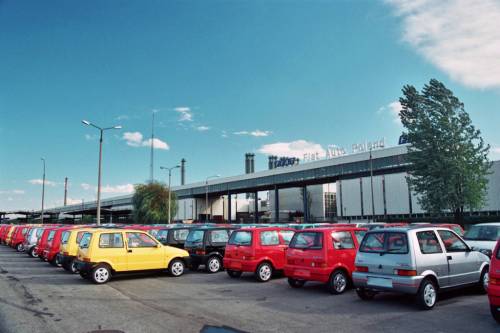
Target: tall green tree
{"x":448,"y":157}
{"x":150,"y":203}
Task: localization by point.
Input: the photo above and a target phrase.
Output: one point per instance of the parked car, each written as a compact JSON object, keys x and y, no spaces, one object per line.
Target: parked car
{"x":31,"y":239}
{"x":4,"y":229}
{"x":103,"y":253}
{"x":483,"y":236}
{"x":10,"y":232}
{"x":173,"y":236}
{"x":206,"y":246}
{"x":324,"y":255}
{"x":257,"y":250}
{"x":17,"y":238}
{"x":68,"y":250}
{"x":42,"y":243}
{"x":51,"y":251}
{"x":455,"y":227}
{"x":420,"y":261}
{"x":494,"y":283}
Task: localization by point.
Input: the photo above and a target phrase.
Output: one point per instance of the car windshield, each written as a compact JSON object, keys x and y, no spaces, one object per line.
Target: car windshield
{"x":241,"y":238}
{"x":483,"y":233}
{"x":195,"y":236}
{"x":79,"y":236}
{"x":307,"y":240}
{"x":65,"y":237}
{"x":385,"y":242}
{"x":85,"y":241}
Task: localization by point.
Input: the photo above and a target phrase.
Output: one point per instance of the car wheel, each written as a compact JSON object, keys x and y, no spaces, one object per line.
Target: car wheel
{"x":214,"y":264}
{"x":427,"y":295}
{"x":72,"y":266}
{"x":20,"y":247}
{"x":495,"y":312}
{"x":176,"y":267}
{"x":365,"y":294}
{"x":234,"y":274}
{"x":33,"y":253}
{"x":338,"y":282}
{"x":484,"y":281}
{"x":100,"y":274}
{"x":264,"y":272}
{"x":294,"y":283}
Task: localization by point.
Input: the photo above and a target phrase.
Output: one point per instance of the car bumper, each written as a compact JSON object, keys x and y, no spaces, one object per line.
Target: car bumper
{"x":83,"y":266}
{"x":494,"y":294}
{"x":240,"y":265}
{"x":400,"y":284}
{"x":307,"y":273}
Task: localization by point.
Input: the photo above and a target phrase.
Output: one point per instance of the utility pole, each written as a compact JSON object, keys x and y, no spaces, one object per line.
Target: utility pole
{"x":371,"y":183}
{"x":151,"y":166}
{"x":43,"y":187}
{"x":169,"y":190}
{"x":65,"y":190}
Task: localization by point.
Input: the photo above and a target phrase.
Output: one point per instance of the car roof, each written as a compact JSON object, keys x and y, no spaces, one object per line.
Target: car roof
{"x":418,"y":227}
{"x":322,"y":229}
{"x":266,"y":228}
{"x":497,"y":224}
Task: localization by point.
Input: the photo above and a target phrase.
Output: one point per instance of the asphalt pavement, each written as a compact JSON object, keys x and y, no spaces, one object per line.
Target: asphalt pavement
{"x":37,"y":297}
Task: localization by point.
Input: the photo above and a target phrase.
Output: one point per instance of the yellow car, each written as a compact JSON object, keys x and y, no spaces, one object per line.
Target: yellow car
{"x":69,"y":248}
{"x":104,"y":252}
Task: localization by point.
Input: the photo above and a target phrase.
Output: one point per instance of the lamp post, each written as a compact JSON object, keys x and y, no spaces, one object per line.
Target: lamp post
{"x":43,"y":187}
{"x":371,"y":186}
{"x":206,"y":194}
{"x":101,"y":130}
{"x":169,"y":191}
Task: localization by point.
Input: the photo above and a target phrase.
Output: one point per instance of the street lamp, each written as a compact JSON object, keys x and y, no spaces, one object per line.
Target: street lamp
{"x":101,"y":130}
{"x":43,"y":187}
{"x":169,"y":191}
{"x":206,"y":194}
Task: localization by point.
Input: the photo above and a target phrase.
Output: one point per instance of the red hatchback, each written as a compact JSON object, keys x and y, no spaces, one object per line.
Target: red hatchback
{"x":494,"y":283}
{"x":257,"y":250}
{"x":53,"y":243}
{"x":325,"y":255}
{"x":42,"y":242}
{"x":17,"y":238}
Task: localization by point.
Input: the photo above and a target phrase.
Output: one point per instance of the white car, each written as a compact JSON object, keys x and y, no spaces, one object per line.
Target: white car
{"x":483,"y":236}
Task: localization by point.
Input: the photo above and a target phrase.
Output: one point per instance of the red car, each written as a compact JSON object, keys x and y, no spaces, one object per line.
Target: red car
{"x":17,"y":239}
{"x":324,"y":255}
{"x":42,"y":242}
{"x":455,"y":227}
{"x":494,"y":284}
{"x":257,"y":250}
{"x":4,"y":230}
{"x":53,"y":243}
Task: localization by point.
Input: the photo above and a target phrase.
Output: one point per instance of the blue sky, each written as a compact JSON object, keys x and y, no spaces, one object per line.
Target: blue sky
{"x":225,"y":78}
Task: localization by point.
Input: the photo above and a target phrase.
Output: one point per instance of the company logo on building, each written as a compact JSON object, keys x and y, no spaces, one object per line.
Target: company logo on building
{"x":333,"y":151}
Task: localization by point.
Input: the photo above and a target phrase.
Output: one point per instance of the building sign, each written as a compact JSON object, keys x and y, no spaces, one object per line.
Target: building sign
{"x":403,"y":139}
{"x":333,"y":151}
{"x":285,"y":161}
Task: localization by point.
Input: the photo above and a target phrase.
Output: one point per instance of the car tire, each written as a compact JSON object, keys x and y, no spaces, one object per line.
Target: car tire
{"x":20,"y":247}
{"x":264,"y":272}
{"x":176,"y":267}
{"x":338,"y":282}
{"x":214,"y":264}
{"x":32,"y":253}
{"x":234,"y":274}
{"x":495,"y":312}
{"x":294,"y":283}
{"x":484,"y":281}
{"x":100,"y":274}
{"x":427,"y":295}
{"x":71,"y":266}
{"x":365,"y":294}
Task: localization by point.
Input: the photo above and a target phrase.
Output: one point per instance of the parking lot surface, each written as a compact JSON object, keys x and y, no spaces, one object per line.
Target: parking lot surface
{"x":36,"y":297}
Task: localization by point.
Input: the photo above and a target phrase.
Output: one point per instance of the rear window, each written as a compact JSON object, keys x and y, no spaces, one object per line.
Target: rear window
{"x":241,"y":238}
{"x":114,"y":240}
{"x":85,"y":240}
{"x":195,"y":236}
{"x":65,"y":237}
{"x":287,"y":235}
{"x":385,"y":242}
{"x":307,"y":240}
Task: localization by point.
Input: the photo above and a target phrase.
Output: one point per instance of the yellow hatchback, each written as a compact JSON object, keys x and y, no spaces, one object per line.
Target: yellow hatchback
{"x":104,"y":252}
{"x":69,"y":247}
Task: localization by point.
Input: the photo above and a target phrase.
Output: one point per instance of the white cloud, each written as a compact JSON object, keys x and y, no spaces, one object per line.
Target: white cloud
{"x":89,"y":137}
{"x":202,"y":128}
{"x":223,"y":134}
{"x":86,"y":186}
{"x":392,"y":110}
{"x":70,"y":201}
{"x":296,"y":148}
{"x":185,"y":113}
{"x":123,"y":117}
{"x":460,"y":37}
{"x":122,"y":189}
{"x":40,"y":182}
{"x":135,"y":139}
{"x":17,"y":192}
{"x":157,"y":144}
{"x":256,"y":133}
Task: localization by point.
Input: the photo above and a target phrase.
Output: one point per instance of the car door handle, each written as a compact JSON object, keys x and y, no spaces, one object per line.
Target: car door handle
{"x":129,"y":251}
{"x":449,"y":257}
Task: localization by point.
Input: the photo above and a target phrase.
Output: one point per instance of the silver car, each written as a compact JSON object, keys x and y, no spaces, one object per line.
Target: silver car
{"x":417,"y":260}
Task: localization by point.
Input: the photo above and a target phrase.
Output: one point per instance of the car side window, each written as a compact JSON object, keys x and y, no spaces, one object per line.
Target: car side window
{"x":114,"y":240}
{"x":137,"y":239}
{"x":219,"y":236}
{"x":287,"y":235}
{"x":451,"y":241}
{"x":181,"y":234}
{"x":342,"y":240}
{"x":269,"y":238}
{"x":428,"y":242}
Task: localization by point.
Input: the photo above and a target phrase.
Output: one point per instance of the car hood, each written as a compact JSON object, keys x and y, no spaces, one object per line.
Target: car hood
{"x":487,"y":245}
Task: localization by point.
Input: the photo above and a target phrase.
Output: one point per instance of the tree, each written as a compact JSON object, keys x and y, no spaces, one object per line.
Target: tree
{"x":150,"y":203}
{"x":447,"y":156}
